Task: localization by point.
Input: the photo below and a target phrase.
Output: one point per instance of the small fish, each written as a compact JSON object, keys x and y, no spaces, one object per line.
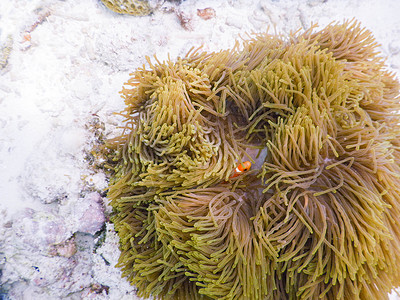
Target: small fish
{"x":241,"y":168}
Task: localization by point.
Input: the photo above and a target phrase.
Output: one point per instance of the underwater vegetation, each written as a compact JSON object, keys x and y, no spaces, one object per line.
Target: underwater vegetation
{"x":320,"y":218}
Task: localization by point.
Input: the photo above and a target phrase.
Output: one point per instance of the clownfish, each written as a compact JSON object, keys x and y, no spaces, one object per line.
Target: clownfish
{"x":240,"y":169}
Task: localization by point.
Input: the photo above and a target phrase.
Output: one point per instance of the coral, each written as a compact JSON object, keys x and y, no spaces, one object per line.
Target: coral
{"x":319,"y":218}
{"x":130,"y":7}
{"x":5,"y":52}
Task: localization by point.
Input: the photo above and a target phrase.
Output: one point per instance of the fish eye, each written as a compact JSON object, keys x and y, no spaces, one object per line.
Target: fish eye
{"x":246,"y":165}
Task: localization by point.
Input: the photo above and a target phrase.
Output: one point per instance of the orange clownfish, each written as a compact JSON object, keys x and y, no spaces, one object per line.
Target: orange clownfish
{"x":241,"y":168}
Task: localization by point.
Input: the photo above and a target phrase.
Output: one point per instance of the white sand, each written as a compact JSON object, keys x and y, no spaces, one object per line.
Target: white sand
{"x":71,"y":70}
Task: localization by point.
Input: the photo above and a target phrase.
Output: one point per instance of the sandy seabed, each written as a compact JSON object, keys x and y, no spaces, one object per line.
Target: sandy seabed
{"x":62,"y":64}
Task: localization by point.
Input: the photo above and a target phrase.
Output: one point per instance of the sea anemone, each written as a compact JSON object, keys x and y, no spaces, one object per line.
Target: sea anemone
{"x":318,"y":218}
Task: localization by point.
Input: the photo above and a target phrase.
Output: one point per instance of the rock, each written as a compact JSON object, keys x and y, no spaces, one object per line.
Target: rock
{"x":90,"y":217}
{"x":66,"y":249}
{"x":206,"y":13}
